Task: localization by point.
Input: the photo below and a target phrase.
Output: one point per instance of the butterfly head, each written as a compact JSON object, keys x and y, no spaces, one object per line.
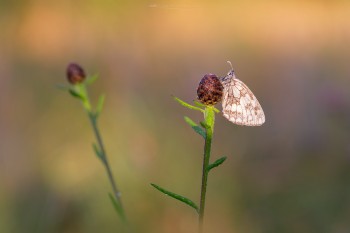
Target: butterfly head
{"x":229,"y":75}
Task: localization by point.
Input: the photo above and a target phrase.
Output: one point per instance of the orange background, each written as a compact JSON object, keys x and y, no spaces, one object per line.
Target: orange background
{"x":290,"y":175}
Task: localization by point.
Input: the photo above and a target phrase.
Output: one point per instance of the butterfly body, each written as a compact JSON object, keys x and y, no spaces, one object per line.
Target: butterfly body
{"x":239,"y":104}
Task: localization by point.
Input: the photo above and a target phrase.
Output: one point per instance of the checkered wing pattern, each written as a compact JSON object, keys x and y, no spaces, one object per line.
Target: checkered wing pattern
{"x":239,"y":104}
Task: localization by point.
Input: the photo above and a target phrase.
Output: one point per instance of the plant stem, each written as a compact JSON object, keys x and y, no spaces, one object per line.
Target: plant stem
{"x":209,"y":119}
{"x":101,"y":149}
{"x":105,"y":162}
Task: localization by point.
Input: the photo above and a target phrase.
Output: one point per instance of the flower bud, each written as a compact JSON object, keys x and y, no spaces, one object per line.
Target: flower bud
{"x":75,"y":74}
{"x":210,"y":90}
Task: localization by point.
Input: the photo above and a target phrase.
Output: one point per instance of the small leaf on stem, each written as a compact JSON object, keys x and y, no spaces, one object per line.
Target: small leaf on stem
{"x":183,"y":103}
{"x":216,"y":110}
{"x":100,"y":104}
{"x":195,"y":127}
{"x":117,"y":206}
{"x":199,"y":104}
{"x":97,"y":151}
{"x":204,"y":106}
{"x":204,"y":125}
{"x":76,"y":94}
{"x":216,"y":163}
{"x":177,"y":196}
{"x":91,"y":79}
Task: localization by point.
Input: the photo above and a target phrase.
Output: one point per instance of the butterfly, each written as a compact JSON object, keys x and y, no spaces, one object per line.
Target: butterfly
{"x":239,"y":104}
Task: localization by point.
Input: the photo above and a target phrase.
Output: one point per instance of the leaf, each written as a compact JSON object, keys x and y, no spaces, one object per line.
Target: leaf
{"x":216,"y":163}
{"x":177,"y":196}
{"x":199,"y":104}
{"x":204,"y":125}
{"x":76,"y":94}
{"x":97,"y":151}
{"x":117,"y":207}
{"x":91,"y":79}
{"x":216,"y":110}
{"x":195,"y":127}
{"x":183,"y":103}
{"x":100,"y":104}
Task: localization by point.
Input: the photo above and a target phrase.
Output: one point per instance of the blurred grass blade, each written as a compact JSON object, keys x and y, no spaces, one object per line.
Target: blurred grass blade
{"x":195,"y":127}
{"x":117,"y":207}
{"x":97,"y":151}
{"x":91,"y":79}
{"x":183,"y":103}
{"x":177,"y":196}
{"x":101,"y":101}
{"x":216,"y":163}
{"x":76,"y":94}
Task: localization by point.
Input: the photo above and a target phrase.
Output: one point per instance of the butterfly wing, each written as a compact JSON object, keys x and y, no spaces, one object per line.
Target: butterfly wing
{"x":239,"y":104}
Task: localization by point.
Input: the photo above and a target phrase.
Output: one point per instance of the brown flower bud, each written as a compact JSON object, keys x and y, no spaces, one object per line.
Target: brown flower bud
{"x":210,"y":90}
{"x":75,"y":74}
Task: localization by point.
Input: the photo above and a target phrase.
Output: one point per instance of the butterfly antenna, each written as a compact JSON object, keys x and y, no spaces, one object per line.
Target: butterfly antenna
{"x":230,"y":64}
{"x":231,"y":72}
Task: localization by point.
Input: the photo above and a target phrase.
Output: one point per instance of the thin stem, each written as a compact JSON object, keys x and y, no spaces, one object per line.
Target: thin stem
{"x":101,"y":149}
{"x":104,"y":159}
{"x":209,"y":116}
{"x":79,"y":90}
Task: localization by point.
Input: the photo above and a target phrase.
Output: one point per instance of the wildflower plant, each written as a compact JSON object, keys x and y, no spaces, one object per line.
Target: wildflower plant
{"x":78,"y":89}
{"x":240,"y":106}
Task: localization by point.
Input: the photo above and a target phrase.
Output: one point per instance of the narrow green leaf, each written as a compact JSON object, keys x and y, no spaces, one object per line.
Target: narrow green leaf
{"x":117,"y":207}
{"x":97,"y":151}
{"x":190,"y":121}
{"x":199,"y":104}
{"x":216,"y":110}
{"x":183,"y":103}
{"x":216,"y":163}
{"x":177,"y":196}
{"x":76,"y":94}
{"x":204,"y":125}
{"x":91,"y":79}
{"x":100,"y":104}
{"x":195,"y":127}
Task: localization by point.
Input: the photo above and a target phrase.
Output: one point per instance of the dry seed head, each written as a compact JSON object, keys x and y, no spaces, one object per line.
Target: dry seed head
{"x":210,"y":90}
{"x":75,"y":73}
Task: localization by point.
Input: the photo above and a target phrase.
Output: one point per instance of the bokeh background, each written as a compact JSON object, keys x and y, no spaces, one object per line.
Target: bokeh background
{"x":290,"y":175}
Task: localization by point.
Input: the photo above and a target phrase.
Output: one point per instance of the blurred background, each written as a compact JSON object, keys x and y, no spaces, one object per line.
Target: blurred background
{"x":290,"y":175}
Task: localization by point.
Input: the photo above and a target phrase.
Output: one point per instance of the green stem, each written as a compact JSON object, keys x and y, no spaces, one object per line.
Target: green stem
{"x":103,"y":154}
{"x":105,"y":162}
{"x":209,"y":119}
{"x":81,"y":88}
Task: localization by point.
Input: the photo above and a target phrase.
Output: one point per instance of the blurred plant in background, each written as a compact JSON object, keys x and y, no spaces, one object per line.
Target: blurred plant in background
{"x":78,"y":89}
